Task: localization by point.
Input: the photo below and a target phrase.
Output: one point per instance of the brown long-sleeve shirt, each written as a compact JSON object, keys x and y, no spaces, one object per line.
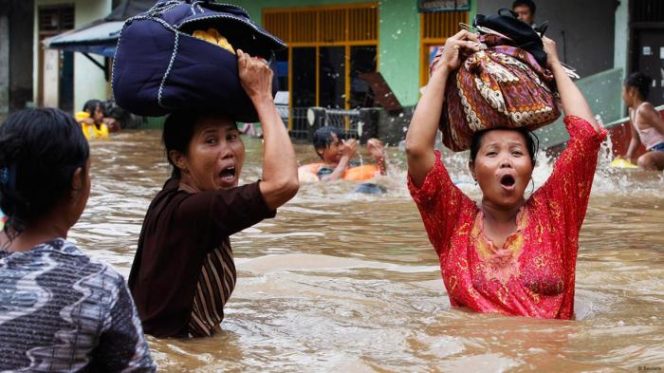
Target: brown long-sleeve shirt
{"x":183,"y":272}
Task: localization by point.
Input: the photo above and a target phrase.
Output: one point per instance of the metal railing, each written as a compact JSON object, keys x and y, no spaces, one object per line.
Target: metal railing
{"x":299,"y":126}
{"x":304,"y":120}
{"x":347,"y":120}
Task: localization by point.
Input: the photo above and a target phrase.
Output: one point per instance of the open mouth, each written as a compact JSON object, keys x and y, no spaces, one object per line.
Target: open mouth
{"x":507,"y":181}
{"x":228,"y":174}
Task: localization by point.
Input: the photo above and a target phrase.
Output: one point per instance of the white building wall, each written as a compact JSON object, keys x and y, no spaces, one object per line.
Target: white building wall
{"x":89,"y":79}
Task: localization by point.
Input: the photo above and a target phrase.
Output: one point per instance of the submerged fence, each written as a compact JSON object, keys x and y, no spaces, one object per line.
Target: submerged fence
{"x":354,"y":123}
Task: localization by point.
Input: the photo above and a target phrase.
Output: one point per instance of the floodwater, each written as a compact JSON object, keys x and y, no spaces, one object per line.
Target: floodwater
{"x":344,"y":282}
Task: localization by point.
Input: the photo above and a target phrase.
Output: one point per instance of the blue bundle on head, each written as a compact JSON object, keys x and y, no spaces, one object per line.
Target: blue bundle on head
{"x":166,"y":60}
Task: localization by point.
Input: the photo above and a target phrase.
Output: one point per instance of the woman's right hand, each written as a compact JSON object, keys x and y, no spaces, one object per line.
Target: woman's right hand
{"x":255,"y":76}
{"x":448,"y":59}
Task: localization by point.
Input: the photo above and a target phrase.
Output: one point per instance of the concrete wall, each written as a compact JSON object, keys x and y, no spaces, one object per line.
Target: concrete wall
{"x":399,"y":35}
{"x":15,"y":55}
{"x":583,"y":29}
{"x":399,"y":32}
{"x":21,"y":61}
{"x":89,"y":79}
{"x":4,"y":64}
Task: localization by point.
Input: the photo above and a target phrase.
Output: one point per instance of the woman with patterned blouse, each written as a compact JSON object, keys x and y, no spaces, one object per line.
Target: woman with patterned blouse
{"x":505,"y":255}
{"x":60,"y":310}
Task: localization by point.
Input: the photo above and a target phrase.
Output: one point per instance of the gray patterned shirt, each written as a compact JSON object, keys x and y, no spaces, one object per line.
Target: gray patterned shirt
{"x":62,"y":311}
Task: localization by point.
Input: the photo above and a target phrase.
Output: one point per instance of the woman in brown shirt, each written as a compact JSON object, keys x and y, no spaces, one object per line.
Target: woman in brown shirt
{"x":183,"y":272}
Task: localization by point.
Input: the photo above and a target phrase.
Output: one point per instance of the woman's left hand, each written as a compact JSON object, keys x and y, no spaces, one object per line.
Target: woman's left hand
{"x":255,"y":76}
{"x":551,"y":51}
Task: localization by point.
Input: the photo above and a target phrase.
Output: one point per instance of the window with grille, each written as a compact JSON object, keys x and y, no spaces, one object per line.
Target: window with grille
{"x":54,"y":20}
{"x":329,"y":47}
{"x":353,"y":23}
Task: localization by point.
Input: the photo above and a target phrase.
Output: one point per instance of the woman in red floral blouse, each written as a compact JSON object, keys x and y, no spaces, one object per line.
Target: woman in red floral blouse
{"x":506,"y":254}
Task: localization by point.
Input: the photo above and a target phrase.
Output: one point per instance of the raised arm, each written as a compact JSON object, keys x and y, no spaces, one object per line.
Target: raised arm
{"x":279,"y":183}
{"x":568,"y":188}
{"x":571,"y":97}
{"x":421,"y":136}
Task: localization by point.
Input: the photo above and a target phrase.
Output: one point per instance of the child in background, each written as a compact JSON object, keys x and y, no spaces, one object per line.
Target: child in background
{"x":92,"y":120}
{"x":647,"y":124}
{"x":336,"y":155}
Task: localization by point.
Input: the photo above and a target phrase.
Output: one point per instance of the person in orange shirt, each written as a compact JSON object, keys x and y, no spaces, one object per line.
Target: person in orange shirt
{"x":337,"y":156}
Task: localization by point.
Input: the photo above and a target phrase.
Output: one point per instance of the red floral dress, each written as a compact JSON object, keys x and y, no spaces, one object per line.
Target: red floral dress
{"x":533,"y":273}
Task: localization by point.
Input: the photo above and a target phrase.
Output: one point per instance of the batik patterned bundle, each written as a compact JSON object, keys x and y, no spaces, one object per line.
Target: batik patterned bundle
{"x":500,"y":86}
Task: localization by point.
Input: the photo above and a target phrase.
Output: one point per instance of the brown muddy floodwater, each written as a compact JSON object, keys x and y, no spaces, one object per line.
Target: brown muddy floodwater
{"x":340,"y":282}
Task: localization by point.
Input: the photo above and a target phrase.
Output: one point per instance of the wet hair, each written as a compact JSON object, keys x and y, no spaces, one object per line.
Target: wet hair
{"x":40,"y":149}
{"x":322,"y":138}
{"x":641,"y":82}
{"x":529,"y":3}
{"x":532,"y":142}
{"x":91,"y":105}
{"x":179,"y":129}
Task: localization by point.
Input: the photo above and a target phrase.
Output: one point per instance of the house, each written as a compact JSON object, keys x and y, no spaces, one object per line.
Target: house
{"x":32,"y":75}
{"x":331,"y":43}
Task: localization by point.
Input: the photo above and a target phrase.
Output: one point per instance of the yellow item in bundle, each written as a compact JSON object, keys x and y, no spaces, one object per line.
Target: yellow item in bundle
{"x":223,"y":42}
{"x":213,"y":36}
{"x":203,"y":35}
{"x":622,"y":163}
